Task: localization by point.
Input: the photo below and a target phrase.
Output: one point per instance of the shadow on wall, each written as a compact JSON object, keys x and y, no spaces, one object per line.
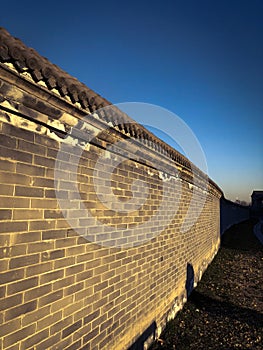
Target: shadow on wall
{"x":148,"y":333}
{"x":232,"y":213}
{"x":190,"y":277}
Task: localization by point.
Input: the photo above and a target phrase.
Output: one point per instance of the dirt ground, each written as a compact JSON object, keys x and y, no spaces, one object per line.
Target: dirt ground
{"x":225,"y":311}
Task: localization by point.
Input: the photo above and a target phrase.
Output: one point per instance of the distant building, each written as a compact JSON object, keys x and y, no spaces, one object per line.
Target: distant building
{"x":257,"y":204}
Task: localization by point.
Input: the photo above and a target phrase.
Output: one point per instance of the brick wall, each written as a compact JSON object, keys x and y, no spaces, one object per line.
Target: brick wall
{"x":75,"y":272}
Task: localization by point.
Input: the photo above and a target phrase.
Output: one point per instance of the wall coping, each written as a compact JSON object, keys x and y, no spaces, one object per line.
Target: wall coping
{"x":30,"y":66}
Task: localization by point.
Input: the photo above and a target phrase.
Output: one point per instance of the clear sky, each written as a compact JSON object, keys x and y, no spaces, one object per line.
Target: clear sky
{"x":202,"y":60}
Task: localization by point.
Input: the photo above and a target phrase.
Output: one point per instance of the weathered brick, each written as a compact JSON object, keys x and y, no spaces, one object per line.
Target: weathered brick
{"x":16,"y":155}
{"x":41,"y":225}
{"x":11,"y":202}
{"x":31,"y":147}
{"x":51,"y":255}
{"x":36,"y":315}
{"x":37,"y":292}
{"x":44,"y":161}
{"x":16,"y":336}
{"x":7,"y":141}
{"x":20,"y":310}
{"x":22,"y":285}
{"x":27,"y":237}
{"x":38,"y":269}
{"x":47,"y":343}
{"x":13,"y":226}
{"x":29,"y":191}
{"x":29,"y":169}
{"x":24,"y":261}
{"x":7,"y":165}
{"x":27,"y":214}
{"x":17,"y":132}
{"x":8,"y":302}
{"x":5,"y":214}
{"x":71,"y":329}
{"x":57,"y":327}
{"x":10,"y":276}
{"x":51,"y":276}
{"x":10,"y":327}
{"x":43,"y":203}
{"x":75,"y":346}
{"x":50,"y":319}
{"x":50,"y":298}
{"x":35,"y":339}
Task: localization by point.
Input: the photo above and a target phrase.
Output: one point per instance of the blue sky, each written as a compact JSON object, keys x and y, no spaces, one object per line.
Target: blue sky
{"x":202,"y":60}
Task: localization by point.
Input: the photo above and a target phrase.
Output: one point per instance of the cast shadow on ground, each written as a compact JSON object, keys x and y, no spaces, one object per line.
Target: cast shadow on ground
{"x":226,"y":309}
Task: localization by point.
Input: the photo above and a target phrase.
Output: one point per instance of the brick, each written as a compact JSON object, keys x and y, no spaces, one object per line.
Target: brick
{"x":59,"y":305}
{"x":73,"y":270}
{"x":15,"y":337}
{"x":51,"y":255}
{"x":63,"y":283}
{"x":50,"y":319}
{"x":36,"y":315}
{"x":27,"y":237}
{"x":51,"y":276}
{"x":35,"y":339}
{"x":6,"y":165}
{"x":73,"y":308}
{"x":52,"y":214}
{"x":41,"y":225}
{"x":17,"y":132}
{"x":10,"y":276}
{"x":31,"y":147}
{"x":24,"y":261}
{"x":91,"y":317}
{"x":43,"y":182}
{"x":64,"y":262}
{"x":50,"y":298}
{"x":8,"y":302}
{"x":46,"y":141}
{"x":2,"y":292}
{"x":37,"y":292}
{"x":14,"y":178}
{"x":7,"y":190}
{"x":43,"y":203}
{"x":75,"y":346}
{"x":43,"y":161}
{"x":29,"y":169}
{"x":5,"y":214}
{"x":13,"y":226}
{"x":57,"y":327}
{"x":46,"y":344}
{"x":29,"y":191}
{"x":27,"y":214}
{"x":38,"y":269}
{"x":9,"y":327}
{"x":40,"y":247}
{"x":20,"y":310}
{"x":7,"y":141}
{"x":11,"y":202}
{"x":22,"y":285}
{"x":16,"y":155}
{"x":71,"y":329}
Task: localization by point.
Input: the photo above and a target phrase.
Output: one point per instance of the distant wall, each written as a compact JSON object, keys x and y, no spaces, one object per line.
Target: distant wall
{"x":58,"y":289}
{"x":231,"y":213}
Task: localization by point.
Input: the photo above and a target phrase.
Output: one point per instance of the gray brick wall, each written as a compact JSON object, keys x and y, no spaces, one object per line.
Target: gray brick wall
{"x":62,"y":291}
